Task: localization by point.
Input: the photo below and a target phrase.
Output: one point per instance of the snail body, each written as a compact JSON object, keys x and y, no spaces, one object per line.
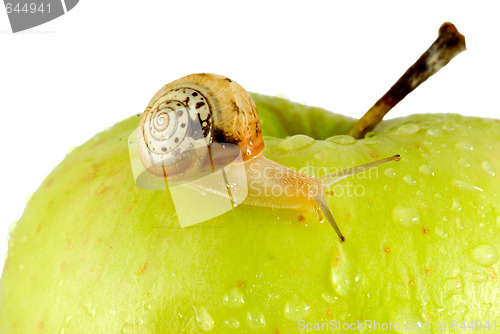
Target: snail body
{"x":203,"y":123}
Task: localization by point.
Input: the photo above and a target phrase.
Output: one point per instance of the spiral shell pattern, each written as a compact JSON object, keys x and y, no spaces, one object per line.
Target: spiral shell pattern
{"x":193,"y":117}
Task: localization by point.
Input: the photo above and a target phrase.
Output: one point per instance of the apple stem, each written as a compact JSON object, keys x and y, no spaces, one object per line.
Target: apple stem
{"x":448,"y":44}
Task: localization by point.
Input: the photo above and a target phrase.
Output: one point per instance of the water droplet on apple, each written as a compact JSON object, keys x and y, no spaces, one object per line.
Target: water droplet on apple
{"x":319,"y":156}
{"x":453,"y":286}
{"x":342,"y":272}
{"x":425,"y":169}
{"x":435,"y":132}
{"x":406,"y":216}
{"x":409,"y":179}
{"x":425,"y":156}
{"x":419,"y":192}
{"x":387,"y":187}
{"x":488,"y":168}
{"x":296,"y":142}
{"x":407,"y":129}
{"x":90,"y":310}
{"x":296,"y":309}
{"x":479,"y":277}
{"x":439,"y":232}
{"x":465,"y":145}
{"x":139,"y":321}
{"x":456,"y":206}
{"x":256,"y":320}
{"x":461,"y":310}
{"x":390,"y":172}
{"x":464,"y":162}
{"x":342,"y":140}
{"x":464,"y":185}
{"x":329,"y":298}
{"x":232,"y":323}
{"x":203,"y":319}
{"x":234,"y":298}
{"x":147,"y":306}
{"x":484,"y":255}
{"x":27,"y":198}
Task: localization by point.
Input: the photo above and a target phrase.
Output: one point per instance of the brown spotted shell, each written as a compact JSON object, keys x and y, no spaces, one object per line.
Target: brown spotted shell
{"x":190,"y":120}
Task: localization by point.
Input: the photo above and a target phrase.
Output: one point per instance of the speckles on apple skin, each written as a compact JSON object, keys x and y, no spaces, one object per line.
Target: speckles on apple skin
{"x":479,"y":277}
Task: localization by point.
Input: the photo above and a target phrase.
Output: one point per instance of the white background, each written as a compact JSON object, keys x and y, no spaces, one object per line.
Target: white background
{"x":64,"y":81}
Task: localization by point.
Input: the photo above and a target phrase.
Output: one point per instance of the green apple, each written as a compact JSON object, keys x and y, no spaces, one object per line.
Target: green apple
{"x":93,"y":253}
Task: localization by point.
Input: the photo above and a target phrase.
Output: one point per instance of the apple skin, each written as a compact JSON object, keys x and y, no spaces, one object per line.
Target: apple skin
{"x":93,"y":253}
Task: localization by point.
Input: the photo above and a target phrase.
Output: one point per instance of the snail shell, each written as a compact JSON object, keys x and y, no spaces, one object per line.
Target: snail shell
{"x":190,"y":121}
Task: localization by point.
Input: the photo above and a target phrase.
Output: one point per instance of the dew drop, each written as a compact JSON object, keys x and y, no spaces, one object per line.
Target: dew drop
{"x":256,"y":320}
{"x":425,"y":169}
{"x":342,"y":140}
{"x":296,"y":142}
{"x":488,"y":168}
{"x":342,"y":272}
{"x":464,"y":185}
{"x":390,"y":172}
{"x":439,"y":232}
{"x":435,"y":132}
{"x":27,"y":198}
{"x":419,"y":192}
{"x":329,"y":298}
{"x":12,"y":227}
{"x":409,"y":179}
{"x":232,"y":323}
{"x":464,"y":162}
{"x":484,"y":255}
{"x":407,"y":129}
{"x":147,"y":306}
{"x":139,"y":321}
{"x":465,"y":145}
{"x":203,"y":319}
{"x":456,"y":206}
{"x":479,"y":277}
{"x":453,"y":286}
{"x":406,"y":216}
{"x":387,"y":187}
{"x":296,"y":309}
{"x":234,"y":298}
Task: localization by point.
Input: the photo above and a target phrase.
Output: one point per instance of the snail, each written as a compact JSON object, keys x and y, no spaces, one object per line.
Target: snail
{"x":201,"y":122}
